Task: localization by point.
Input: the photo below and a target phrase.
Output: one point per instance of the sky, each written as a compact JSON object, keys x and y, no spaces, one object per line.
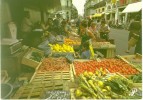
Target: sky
{"x":79,"y":4}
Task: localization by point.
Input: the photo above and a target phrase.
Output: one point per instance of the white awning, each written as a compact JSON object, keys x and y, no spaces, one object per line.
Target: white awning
{"x":134,"y":7}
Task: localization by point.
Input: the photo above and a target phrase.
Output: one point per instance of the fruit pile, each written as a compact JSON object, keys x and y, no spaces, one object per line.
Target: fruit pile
{"x":71,"y":42}
{"x":54,"y":64}
{"x":102,"y":86}
{"x":61,"y":48}
{"x":112,"y":65}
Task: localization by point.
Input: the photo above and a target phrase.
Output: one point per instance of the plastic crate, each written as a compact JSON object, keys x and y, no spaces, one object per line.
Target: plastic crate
{"x":26,"y":60}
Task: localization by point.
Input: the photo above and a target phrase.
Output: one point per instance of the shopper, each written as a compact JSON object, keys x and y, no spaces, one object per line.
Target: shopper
{"x":64,"y":29}
{"x":135,"y":28}
{"x":48,"y":26}
{"x":93,"y":29}
{"x":26,"y":27}
{"x":86,"y":35}
{"x":57,"y":24}
{"x":104,"y":30}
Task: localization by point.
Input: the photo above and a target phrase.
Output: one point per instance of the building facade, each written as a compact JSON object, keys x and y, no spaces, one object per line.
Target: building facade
{"x":66,"y":8}
{"x":111,"y":9}
{"x":94,"y":7}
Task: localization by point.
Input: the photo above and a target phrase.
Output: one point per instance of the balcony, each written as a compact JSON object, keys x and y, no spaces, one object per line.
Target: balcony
{"x":100,"y":4}
{"x":126,"y":2}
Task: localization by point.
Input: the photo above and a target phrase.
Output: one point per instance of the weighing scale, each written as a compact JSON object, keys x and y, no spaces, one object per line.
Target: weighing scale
{"x":10,"y":46}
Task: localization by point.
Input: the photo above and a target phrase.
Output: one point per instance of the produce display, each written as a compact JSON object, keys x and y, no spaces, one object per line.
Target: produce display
{"x":103,"y":86}
{"x":36,"y":56}
{"x":136,"y":61}
{"x":68,"y":41}
{"x":112,"y":65}
{"x":61,"y":48}
{"x":136,"y":78}
{"x":55,"y":64}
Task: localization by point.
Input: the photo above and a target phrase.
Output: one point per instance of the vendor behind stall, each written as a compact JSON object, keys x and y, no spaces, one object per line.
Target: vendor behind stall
{"x":26,"y":27}
{"x":104,"y":30}
{"x":86,"y":35}
{"x":48,"y":26}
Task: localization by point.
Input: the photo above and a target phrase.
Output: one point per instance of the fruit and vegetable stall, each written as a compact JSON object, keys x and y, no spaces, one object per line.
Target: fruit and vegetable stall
{"x":61,"y":75}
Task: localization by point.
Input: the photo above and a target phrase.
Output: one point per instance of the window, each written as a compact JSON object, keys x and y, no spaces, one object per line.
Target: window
{"x":102,"y":9}
{"x":97,"y":11}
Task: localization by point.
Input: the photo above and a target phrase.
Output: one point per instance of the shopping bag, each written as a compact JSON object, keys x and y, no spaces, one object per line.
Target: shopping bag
{"x":132,"y":42}
{"x":91,"y":50}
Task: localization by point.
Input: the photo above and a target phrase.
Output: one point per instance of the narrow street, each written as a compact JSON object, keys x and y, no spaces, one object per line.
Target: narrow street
{"x":121,"y":41}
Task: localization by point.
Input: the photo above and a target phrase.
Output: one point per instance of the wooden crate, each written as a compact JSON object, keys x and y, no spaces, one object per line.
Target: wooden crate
{"x":30,"y":62}
{"x":35,"y":90}
{"x":118,"y":56}
{"x":135,"y":60}
{"x":79,"y":60}
{"x":52,"y":76}
{"x":62,"y":54}
{"x":110,"y":53}
{"x":136,"y":56}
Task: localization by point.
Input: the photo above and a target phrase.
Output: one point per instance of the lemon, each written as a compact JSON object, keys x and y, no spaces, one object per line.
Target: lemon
{"x":90,"y":73}
{"x":104,"y":90}
{"x":64,"y":51}
{"x":108,"y":88}
{"x":110,"y":78}
{"x":85,"y":73}
{"x":100,"y":84}
{"x":78,"y":93}
{"x":96,"y":72}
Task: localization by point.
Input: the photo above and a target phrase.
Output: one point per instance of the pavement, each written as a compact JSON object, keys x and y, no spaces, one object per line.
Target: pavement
{"x":121,"y":41}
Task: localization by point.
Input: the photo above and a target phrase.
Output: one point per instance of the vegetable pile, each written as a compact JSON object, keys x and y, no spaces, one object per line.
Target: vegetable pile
{"x":55,"y":64}
{"x":136,"y":78}
{"x":36,"y":56}
{"x":102,"y":86}
{"x":112,"y":65}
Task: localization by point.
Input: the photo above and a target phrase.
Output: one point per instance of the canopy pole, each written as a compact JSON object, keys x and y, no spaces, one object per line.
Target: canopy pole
{"x":126,"y":18}
{"x":42,"y":15}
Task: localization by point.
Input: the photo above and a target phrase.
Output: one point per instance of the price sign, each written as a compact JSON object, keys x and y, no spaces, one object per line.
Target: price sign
{"x":57,"y":95}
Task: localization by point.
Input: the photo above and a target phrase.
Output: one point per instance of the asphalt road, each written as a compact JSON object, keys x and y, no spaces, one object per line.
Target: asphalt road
{"x":121,"y":41}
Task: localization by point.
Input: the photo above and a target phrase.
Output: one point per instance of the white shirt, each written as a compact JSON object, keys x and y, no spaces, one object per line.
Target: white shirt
{"x":26,"y":25}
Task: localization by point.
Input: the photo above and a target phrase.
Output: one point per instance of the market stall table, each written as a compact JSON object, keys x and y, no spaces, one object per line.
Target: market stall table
{"x":105,"y":48}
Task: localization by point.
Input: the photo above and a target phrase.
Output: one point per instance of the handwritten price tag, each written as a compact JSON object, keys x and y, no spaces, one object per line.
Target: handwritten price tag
{"x":57,"y":95}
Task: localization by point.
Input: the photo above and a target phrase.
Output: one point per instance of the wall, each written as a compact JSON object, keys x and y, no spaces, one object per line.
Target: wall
{"x":5,"y":17}
{"x":34,"y":15}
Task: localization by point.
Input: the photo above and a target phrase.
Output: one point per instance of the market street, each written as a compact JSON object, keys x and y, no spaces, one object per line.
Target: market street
{"x":121,"y":39}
